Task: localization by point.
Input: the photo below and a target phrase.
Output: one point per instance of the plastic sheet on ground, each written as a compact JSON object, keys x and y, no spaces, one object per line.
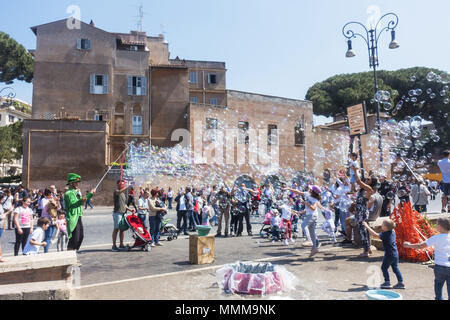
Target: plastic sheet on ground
{"x":252,"y":278}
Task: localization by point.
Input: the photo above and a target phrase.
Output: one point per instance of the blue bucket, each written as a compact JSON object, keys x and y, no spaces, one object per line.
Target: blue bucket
{"x":383,"y":295}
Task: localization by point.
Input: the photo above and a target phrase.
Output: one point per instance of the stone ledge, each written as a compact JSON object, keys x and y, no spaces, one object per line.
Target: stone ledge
{"x":50,"y":290}
{"x":48,"y":267}
{"x":39,"y":261}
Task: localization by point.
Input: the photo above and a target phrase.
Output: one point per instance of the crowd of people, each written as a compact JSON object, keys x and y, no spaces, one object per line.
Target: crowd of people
{"x":349,"y":203}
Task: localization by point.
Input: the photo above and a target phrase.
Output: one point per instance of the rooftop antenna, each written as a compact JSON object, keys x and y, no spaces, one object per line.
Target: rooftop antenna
{"x":141,"y":18}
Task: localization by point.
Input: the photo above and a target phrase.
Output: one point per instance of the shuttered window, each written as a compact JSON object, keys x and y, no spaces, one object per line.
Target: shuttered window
{"x":137,"y":86}
{"x":84,"y":44}
{"x":99,"y":84}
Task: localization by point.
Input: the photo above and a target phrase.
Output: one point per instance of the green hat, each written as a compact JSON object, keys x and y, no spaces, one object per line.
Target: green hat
{"x":73,"y":177}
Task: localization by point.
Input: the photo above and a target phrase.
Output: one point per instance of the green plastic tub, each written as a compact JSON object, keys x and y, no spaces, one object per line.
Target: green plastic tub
{"x":203,"y":230}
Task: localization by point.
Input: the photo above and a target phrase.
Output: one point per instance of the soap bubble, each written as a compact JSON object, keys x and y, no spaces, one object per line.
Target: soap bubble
{"x":416,"y":134}
{"x":432,"y":95}
{"x":435,"y":138}
{"x":387,"y":106}
{"x":390,"y":195}
{"x":419,"y":92}
{"x":431,"y":76}
{"x":414,"y":99}
{"x":429,"y":90}
{"x":412,"y":93}
{"x":413,"y":78}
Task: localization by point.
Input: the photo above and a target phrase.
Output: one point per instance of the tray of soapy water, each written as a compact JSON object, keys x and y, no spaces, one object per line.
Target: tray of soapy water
{"x":249,"y":278}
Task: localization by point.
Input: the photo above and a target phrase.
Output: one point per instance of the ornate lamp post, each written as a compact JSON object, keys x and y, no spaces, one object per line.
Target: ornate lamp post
{"x":371,"y":38}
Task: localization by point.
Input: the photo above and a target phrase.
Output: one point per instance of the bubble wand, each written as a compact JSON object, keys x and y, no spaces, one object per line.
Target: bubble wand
{"x":109,"y":169}
{"x":409,"y":168}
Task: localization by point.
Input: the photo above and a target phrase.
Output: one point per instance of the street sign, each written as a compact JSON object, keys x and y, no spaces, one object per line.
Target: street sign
{"x":357,"y":120}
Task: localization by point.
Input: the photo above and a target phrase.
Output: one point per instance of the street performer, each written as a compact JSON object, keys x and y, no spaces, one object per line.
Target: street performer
{"x":74,"y":202}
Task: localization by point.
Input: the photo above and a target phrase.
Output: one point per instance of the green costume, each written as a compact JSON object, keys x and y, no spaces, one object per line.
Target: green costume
{"x":73,"y":204}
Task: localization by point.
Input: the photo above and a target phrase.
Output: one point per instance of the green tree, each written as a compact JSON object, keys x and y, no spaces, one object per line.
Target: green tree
{"x":11,"y":142}
{"x":15,"y":61}
{"x":335,"y":94}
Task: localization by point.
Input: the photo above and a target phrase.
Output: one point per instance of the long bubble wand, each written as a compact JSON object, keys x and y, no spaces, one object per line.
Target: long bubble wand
{"x":110,"y":167}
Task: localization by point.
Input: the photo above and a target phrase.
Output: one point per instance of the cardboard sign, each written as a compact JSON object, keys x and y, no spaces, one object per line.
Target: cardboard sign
{"x":357,"y":120}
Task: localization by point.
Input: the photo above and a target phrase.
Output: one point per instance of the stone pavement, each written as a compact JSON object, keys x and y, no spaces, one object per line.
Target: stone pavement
{"x":165,"y":273}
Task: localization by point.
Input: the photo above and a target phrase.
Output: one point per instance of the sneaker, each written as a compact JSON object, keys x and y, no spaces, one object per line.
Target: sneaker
{"x":219,"y":234}
{"x":307,"y":244}
{"x":386,"y":285}
{"x":159,"y":244}
{"x":273,"y":241}
{"x":226,"y":235}
{"x":186,"y":234}
{"x":115,"y":249}
{"x":250,"y":234}
{"x":399,"y":285}
{"x":286,"y":242}
{"x":346,"y":241}
{"x":152,"y":245}
{"x":292,"y":241}
{"x":313,"y":252}
{"x":239,"y":235}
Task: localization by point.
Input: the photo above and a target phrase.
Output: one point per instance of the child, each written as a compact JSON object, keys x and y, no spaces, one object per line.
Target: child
{"x":286,"y":216}
{"x":207,"y":213}
{"x":441,"y":244}
{"x":328,"y":225}
{"x":390,"y":253}
{"x":36,"y":239}
{"x":275,"y":222}
{"x":61,"y":233}
{"x":353,"y":164}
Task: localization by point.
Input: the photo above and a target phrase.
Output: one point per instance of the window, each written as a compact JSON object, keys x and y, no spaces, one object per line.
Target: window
{"x":194,"y":100}
{"x":193,"y":76}
{"x":84,"y":44}
{"x":299,"y":135}
{"x":98,"y":117}
{"x":212,"y":78}
{"x":137,"y":125}
{"x":213,"y":101}
{"x":133,"y":48}
{"x":11,"y":118}
{"x":137,"y":86}
{"x":99,"y":84}
{"x":243,"y":132}
{"x":272,"y":138}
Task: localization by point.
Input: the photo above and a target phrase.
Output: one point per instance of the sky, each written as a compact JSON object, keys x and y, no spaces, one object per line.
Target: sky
{"x":272,"y":47}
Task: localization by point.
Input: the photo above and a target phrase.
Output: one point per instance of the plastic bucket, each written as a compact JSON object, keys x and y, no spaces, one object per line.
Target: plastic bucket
{"x":383,"y":295}
{"x":203,"y":230}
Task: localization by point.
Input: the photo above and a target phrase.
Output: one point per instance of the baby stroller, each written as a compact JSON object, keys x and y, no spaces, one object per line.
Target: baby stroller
{"x":266,"y":229}
{"x":140,"y":234}
{"x":169,"y":230}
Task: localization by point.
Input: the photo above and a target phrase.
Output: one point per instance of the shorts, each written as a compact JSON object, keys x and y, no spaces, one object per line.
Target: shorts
{"x":445,"y":187}
{"x":353,"y":179}
{"x":117,"y":217}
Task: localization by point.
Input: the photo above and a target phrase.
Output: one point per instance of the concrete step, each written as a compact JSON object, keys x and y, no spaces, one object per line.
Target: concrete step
{"x":48,"y":290}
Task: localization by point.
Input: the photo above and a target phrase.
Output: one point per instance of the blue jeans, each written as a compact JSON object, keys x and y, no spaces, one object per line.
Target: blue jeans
{"x":389,"y":261}
{"x":441,"y":275}
{"x":155,"y":228}
{"x":342,"y":216}
{"x":143,"y":217}
{"x":191,"y":218}
{"x":48,"y":237}
{"x":170,"y":203}
{"x":1,"y":231}
{"x":276,"y":233}
{"x":88,"y":203}
{"x":309,"y":228}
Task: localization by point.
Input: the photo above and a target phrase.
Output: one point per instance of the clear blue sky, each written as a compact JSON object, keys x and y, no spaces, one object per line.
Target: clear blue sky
{"x":274,"y":47}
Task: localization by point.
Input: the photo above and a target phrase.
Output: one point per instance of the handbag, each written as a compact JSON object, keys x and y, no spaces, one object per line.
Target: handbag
{"x":123,"y":225}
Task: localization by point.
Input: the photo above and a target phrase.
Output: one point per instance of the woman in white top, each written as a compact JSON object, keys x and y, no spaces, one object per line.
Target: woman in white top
{"x":312,"y":204}
{"x":2,"y":227}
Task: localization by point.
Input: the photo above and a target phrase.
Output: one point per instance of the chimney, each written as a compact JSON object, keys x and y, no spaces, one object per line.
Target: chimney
{"x":92,"y":23}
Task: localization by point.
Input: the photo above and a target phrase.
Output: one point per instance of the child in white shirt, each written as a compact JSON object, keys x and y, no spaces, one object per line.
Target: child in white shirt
{"x":275,"y":222}
{"x":36,"y":239}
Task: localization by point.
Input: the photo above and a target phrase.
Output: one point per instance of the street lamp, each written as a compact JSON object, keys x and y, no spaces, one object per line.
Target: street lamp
{"x":371,"y":38}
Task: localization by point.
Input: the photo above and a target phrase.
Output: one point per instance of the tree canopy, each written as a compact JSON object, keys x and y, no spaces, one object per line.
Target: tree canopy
{"x":334,"y":95}
{"x":11,"y":145}
{"x":15,"y":61}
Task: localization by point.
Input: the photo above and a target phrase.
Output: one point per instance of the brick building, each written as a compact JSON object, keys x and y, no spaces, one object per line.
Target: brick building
{"x":95,"y":91}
